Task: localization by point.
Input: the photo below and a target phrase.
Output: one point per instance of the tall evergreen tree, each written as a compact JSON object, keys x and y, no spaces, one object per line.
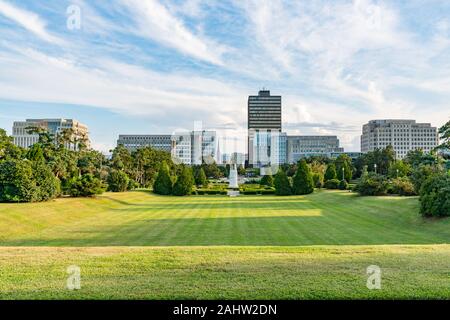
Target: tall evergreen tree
{"x":200,"y":178}
{"x":282,"y":185}
{"x":163,"y":182}
{"x":303,"y":182}
{"x":267,"y":180}
{"x":185,"y":182}
{"x":330,"y":173}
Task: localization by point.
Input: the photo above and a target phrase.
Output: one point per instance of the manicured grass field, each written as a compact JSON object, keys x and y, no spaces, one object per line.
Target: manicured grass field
{"x":138,"y":245}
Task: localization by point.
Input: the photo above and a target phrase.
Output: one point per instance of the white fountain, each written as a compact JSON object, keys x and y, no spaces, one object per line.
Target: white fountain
{"x":233,"y":185}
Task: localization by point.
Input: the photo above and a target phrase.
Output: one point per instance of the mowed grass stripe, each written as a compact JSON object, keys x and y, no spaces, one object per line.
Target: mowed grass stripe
{"x":143,"y":219}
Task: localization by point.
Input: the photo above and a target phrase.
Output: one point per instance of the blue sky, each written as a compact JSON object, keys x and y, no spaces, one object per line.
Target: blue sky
{"x":148,"y":66}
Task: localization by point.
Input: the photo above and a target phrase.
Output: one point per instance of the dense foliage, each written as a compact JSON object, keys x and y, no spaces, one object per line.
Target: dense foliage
{"x":435,"y":196}
{"x":185,"y":182}
{"x":85,"y":185}
{"x":332,"y":184}
{"x":163,"y":183}
{"x":267,"y":180}
{"x":372,"y":185}
{"x":302,"y":182}
{"x":118,"y":181}
{"x":330,"y":173}
{"x":282,"y":184}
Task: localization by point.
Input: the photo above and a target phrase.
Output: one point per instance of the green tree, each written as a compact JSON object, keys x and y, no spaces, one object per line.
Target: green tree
{"x":85,"y":186}
{"x":16,"y":181}
{"x":200,"y":178}
{"x":344,"y":165}
{"x":399,"y":169}
{"x":212,"y":170}
{"x":302,"y":182}
{"x":318,"y":180}
{"x":118,"y":181}
{"x":282,"y":185}
{"x":185,"y":182}
{"x":267,"y":180}
{"x":444,"y":134}
{"x":416,"y":158}
{"x":7,"y":148}
{"x":241,"y":170}
{"x":435,"y":196}
{"x":163,"y":183}
{"x":330,"y":173}
{"x":47,"y":185}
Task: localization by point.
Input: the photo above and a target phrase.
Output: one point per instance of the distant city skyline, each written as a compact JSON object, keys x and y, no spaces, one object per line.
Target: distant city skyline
{"x":128,"y":69}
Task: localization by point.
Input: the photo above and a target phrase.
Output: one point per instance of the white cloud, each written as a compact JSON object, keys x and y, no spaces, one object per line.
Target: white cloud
{"x":156,"y":22}
{"x":28,"y":20}
{"x":30,"y":75}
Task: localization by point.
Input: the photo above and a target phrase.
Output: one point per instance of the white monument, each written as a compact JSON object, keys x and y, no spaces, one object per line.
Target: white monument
{"x":233,"y":178}
{"x":233,"y":185}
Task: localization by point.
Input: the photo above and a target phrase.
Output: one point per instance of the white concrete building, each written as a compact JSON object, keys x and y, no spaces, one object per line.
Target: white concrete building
{"x":54,"y":126}
{"x":402,"y":135}
{"x":188,"y":147}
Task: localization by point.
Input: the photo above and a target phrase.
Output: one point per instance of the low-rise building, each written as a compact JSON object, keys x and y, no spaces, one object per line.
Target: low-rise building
{"x":402,"y":135}
{"x":299,"y":147}
{"x":23,"y":136}
{"x":189,"y":147}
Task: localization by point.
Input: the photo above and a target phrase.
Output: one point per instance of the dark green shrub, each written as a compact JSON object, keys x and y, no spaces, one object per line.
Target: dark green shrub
{"x":343,"y":185}
{"x":200,"y":178}
{"x":423,"y":172}
{"x":85,"y":186}
{"x":163,"y":183}
{"x":330,"y":173}
{"x":47,"y":185}
{"x":332,"y":184}
{"x":16,"y":181}
{"x":282,"y":184}
{"x":185,"y":182}
{"x":372,"y":185}
{"x":118,"y":181}
{"x":435,"y":196}
{"x":318,"y":180}
{"x":267,"y":181}
{"x":303,"y":182}
{"x":402,"y":186}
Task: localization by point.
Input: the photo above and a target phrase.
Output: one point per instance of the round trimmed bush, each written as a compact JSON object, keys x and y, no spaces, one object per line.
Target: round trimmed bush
{"x":332,"y":184}
{"x":402,"y":186}
{"x":118,"y":181}
{"x":372,"y":185}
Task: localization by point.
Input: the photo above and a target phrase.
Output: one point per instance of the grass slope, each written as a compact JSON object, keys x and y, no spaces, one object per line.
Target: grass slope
{"x":143,"y":219}
{"x":140,"y":246}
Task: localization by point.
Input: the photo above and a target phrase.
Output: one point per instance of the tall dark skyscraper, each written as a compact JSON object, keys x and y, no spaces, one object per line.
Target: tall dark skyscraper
{"x":264,"y":111}
{"x":264,"y":123}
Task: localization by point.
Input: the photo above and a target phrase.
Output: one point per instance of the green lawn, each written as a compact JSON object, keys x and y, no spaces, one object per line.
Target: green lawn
{"x":138,"y":245}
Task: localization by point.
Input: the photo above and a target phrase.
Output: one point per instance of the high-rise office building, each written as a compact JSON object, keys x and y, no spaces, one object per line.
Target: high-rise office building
{"x":402,"y":135}
{"x":264,"y":128}
{"x":23,"y":138}
{"x":299,"y":147}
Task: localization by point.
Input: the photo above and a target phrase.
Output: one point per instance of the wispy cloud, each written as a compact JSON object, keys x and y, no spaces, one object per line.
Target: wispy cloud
{"x":156,"y":22}
{"x":337,"y":64}
{"x":28,"y":20}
